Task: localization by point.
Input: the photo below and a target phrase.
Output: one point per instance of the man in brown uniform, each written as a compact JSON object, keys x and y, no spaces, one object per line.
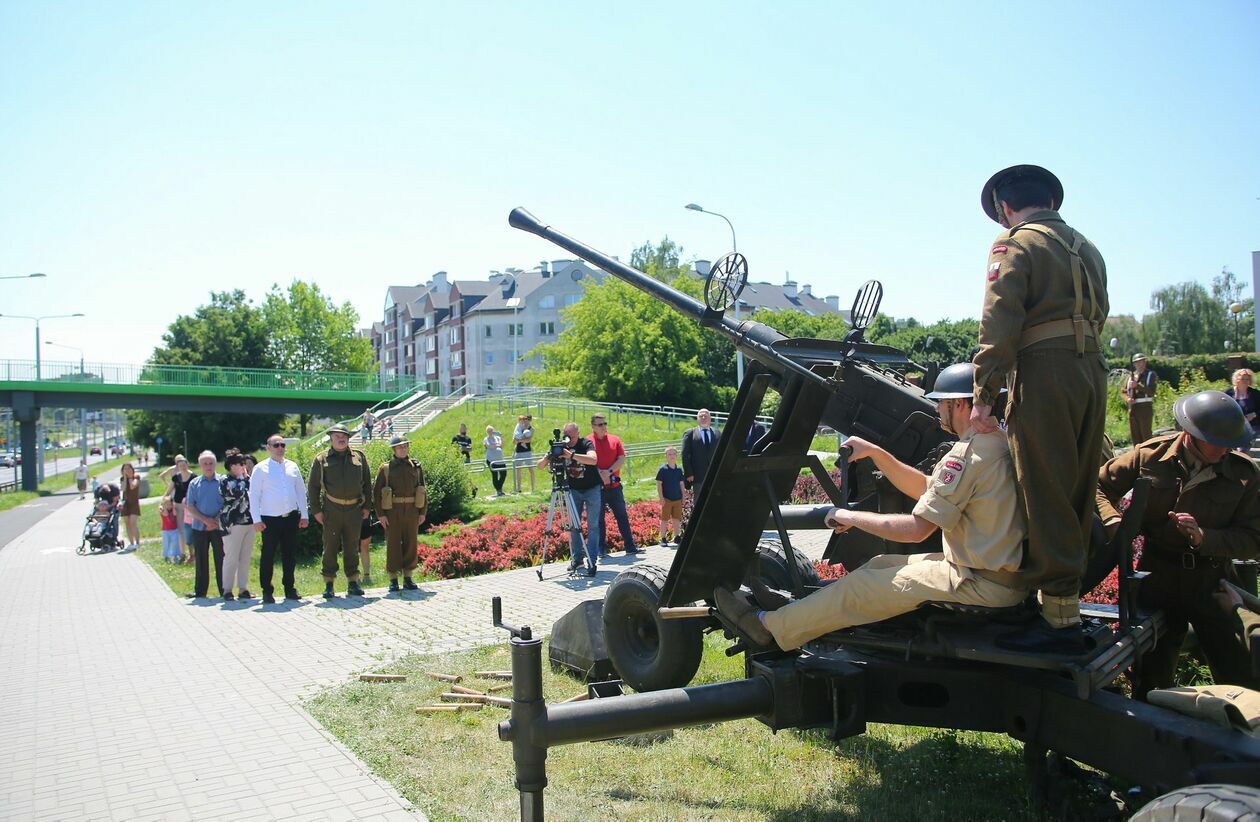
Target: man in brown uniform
{"x":1139,"y":393}
{"x":1204,"y":510}
{"x":400,"y":511}
{"x":970,"y":497}
{"x":338,"y":491}
{"x":1044,"y":305}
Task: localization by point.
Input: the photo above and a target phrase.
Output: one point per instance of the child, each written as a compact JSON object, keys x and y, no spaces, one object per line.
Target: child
{"x":669,"y":490}
{"x":170,"y":531}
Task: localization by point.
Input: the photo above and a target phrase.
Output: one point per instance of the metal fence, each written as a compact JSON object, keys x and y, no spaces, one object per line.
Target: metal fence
{"x":189,"y":376}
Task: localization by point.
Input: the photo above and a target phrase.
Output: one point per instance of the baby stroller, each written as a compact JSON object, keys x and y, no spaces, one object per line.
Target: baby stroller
{"x":100,"y":530}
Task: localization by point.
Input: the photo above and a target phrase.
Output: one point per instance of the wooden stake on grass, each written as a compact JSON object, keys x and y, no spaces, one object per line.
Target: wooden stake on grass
{"x":382,"y":678}
{"x":444,"y":677}
{"x":448,"y":709}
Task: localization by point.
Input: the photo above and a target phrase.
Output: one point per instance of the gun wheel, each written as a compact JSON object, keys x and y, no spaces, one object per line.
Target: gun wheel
{"x":648,"y":652}
{"x":1210,"y":803}
{"x":726,"y":282}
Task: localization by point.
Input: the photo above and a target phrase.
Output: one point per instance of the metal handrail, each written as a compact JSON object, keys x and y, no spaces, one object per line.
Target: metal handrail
{"x":204,"y":376}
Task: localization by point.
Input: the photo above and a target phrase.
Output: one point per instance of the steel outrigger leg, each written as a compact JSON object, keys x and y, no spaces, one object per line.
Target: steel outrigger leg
{"x":528,"y":708}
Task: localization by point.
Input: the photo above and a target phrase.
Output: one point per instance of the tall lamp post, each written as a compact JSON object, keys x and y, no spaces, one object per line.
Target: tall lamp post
{"x":82,"y":411}
{"x":739,"y":355}
{"x":515,"y":302}
{"x":39,"y":440}
{"x":22,"y":276}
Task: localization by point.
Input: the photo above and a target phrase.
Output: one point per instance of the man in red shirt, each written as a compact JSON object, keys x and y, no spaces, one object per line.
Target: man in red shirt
{"x":610,"y":455}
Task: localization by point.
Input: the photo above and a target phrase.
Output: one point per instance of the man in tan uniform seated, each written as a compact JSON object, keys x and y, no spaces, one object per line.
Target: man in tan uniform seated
{"x":971,"y":496}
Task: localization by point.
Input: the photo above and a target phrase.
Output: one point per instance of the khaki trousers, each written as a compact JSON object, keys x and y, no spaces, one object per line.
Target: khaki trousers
{"x":1056,"y":434}
{"x":887,"y":585}
{"x":238,"y":549}
{"x":1141,"y":421}
{"x":341,"y":536}
{"x":400,"y":539}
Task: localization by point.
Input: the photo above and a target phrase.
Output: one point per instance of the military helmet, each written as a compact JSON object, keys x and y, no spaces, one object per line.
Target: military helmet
{"x":1214,"y":417}
{"x":954,"y":383}
{"x":339,"y":429}
{"x":398,"y":439}
{"x":989,"y":202}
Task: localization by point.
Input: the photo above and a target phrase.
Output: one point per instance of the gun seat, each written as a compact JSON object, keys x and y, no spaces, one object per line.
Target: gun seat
{"x":1018,"y":612}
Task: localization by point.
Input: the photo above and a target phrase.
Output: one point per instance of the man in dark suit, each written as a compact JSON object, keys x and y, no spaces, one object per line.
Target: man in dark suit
{"x":698,"y":447}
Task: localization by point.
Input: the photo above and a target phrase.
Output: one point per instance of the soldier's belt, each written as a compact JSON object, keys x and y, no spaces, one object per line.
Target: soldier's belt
{"x":341,"y":501}
{"x":404,"y":499}
{"x":1066,"y":327}
{"x":1144,"y":399}
{"x":1007,"y":579}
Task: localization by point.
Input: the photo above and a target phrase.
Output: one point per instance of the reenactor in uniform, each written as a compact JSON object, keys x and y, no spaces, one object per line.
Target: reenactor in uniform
{"x":400,"y":500}
{"x":338,"y":491}
{"x":1139,"y":393}
{"x":1203,"y":512}
{"x":1044,"y":306}
{"x":970,"y":496}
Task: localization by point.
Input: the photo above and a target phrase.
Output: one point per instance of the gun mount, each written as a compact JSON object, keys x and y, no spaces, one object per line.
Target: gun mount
{"x":937,"y":667}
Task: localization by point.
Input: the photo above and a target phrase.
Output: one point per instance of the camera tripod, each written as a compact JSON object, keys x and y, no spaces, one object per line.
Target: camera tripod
{"x":560,"y":490}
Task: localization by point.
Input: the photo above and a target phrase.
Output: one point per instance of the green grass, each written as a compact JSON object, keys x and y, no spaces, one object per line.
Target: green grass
{"x":452,"y":766}
{"x":307,"y":576}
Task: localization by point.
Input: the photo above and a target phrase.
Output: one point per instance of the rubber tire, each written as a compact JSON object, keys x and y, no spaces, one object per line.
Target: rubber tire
{"x":1209,"y":803}
{"x":773,"y":568}
{"x":649,"y":653}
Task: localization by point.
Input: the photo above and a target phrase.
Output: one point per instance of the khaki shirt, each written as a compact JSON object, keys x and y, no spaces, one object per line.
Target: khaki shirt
{"x":405,"y":476}
{"x":972,"y":496}
{"x":341,"y":474}
{"x":1028,"y":281}
{"x":1223,"y":498}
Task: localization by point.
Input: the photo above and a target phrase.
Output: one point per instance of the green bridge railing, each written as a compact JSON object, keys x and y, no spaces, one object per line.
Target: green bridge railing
{"x":201,"y":376}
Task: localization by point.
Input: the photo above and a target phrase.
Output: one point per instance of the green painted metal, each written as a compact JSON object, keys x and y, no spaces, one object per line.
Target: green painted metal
{"x":193,"y":380}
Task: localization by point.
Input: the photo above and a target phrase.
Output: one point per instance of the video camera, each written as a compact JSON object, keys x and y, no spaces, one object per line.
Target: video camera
{"x":556,"y":462}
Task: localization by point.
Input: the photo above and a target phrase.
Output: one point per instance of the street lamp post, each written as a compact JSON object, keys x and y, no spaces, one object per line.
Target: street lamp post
{"x":22,"y":276}
{"x":1236,"y":309}
{"x":82,"y":411}
{"x":39,"y":440}
{"x":739,"y":355}
{"x":515,"y":302}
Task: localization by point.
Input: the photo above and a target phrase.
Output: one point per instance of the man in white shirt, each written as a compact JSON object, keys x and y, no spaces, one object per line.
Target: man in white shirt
{"x":277,"y":503}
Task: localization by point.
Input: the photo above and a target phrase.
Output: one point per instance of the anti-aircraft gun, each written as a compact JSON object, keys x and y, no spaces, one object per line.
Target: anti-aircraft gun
{"x":938,"y":667}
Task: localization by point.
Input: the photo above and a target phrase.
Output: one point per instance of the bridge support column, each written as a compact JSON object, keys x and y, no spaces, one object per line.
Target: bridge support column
{"x":27,"y":415}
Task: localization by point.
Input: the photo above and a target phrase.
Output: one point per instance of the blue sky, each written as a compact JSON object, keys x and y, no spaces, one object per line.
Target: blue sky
{"x":152,"y":152}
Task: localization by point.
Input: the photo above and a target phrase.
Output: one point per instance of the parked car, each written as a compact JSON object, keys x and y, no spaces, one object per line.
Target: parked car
{"x":7,"y":461}
{"x":95,"y":450}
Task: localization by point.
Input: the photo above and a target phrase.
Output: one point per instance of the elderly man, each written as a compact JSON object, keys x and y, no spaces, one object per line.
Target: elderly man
{"x":1203,"y":512}
{"x":584,"y":492}
{"x":401,"y":500}
{"x":1044,"y":306}
{"x":203,"y":501}
{"x":610,"y":455}
{"x":699,"y":444}
{"x":970,"y":496}
{"x":338,"y":491}
{"x":277,"y":504}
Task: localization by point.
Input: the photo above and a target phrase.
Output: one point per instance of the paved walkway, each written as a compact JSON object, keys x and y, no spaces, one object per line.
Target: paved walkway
{"x":122,"y":701}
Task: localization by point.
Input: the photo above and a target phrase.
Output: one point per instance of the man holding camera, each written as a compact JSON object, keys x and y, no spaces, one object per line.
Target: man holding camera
{"x":575,"y":457}
{"x":610,"y":455}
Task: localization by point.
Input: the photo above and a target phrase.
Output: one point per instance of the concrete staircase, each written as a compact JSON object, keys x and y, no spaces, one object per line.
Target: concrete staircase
{"x":413,"y":417}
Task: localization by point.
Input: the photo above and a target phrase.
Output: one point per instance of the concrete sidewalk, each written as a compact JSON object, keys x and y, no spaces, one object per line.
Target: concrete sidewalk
{"x":123,"y":701}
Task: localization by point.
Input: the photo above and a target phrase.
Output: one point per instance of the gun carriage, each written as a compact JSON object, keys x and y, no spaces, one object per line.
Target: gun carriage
{"x":936,"y":667}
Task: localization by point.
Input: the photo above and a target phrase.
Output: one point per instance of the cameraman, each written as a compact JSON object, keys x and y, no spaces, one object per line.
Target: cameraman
{"x":578,"y":455}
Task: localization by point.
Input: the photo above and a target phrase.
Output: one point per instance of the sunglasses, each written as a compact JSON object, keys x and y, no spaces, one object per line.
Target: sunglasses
{"x":599,"y":425}
{"x":277,"y":444}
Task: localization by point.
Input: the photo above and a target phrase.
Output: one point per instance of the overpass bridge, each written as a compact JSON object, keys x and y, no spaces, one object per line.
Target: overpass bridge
{"x":26,"y":386}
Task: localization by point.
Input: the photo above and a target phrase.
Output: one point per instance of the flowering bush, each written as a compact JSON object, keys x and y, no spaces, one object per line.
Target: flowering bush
{"x":499,"y":542}
{"x":807,"y":489}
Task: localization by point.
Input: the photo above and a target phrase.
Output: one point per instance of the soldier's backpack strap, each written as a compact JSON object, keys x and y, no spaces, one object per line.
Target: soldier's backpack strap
{"x":1078,"y":328}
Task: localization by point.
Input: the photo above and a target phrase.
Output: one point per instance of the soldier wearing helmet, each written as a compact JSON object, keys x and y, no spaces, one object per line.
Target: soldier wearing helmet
{"x":970,"y":496}
{"x":1044,"y":305}
{"x":1203,"y":512}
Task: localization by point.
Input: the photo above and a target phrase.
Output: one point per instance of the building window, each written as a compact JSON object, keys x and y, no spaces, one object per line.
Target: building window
{"x":489,"y":358}
{"x":489,"y":333}
{"x":430,"y":343}
{"x":489,"y":385}
{"x":516,"y":329}
{"x":548,"y":301}
{"x":570,"y":299}
{"x":389,"y":337}
{"x":406,"y":330}
{"x":457,"y":359}
{"x":546,"y":329}
{"x":430,"y":367}
{"x":457,"y":334}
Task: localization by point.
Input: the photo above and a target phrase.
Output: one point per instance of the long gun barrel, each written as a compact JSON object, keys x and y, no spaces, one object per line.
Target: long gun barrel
{"x":753,"y":338}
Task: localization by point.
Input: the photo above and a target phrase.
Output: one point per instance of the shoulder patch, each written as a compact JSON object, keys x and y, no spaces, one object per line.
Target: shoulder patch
{"x":954,"y":464}
{"x":998,"y":249}
{"x":992,"y":273}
